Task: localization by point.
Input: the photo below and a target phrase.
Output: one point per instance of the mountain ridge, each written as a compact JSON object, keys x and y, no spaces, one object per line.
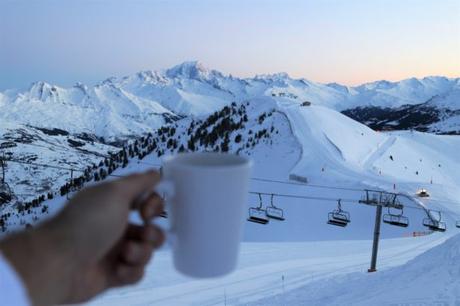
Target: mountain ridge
{"x":152,"y":98}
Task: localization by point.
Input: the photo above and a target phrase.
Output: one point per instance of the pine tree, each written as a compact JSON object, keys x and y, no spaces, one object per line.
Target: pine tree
{"x":238,"y":138}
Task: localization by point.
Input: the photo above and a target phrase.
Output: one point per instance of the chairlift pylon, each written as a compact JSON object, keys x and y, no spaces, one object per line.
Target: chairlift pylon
{"x":372,"y":197}
{"x":258,"y":214}
{"x":396,"y":219}
{"x":274,"y":212}
{"x":339,"y":217}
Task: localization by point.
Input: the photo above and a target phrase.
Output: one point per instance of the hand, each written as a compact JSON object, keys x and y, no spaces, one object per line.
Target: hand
{"x":89,"y":246}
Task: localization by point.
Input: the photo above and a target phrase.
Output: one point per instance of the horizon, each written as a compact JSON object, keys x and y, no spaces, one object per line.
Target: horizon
{"x":324,"y":41}
{"x":225,"y":74}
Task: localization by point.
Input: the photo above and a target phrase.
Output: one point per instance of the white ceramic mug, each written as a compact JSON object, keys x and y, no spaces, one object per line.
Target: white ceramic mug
{"x":206,"y":210}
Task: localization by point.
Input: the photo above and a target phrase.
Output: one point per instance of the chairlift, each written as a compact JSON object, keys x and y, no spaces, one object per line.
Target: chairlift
{"x":435,"y":224}
{"x":338,"y":217}
{"x":258,"y":214}
{"x":396,"y":219}
{"x":274,"y":212}
{"x":371,"y":197}
{"x":376,"y":198}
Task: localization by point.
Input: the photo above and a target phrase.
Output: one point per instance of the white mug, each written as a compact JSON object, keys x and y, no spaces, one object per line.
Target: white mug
{"x":206,"y":210}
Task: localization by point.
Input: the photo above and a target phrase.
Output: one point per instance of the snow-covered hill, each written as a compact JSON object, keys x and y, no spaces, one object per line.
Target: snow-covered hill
{"x":137,"y":103}
{"x":431,"y":278}
{"x":187,"y":108}
{"x":327,"y":149}
{"x":440,"y":114}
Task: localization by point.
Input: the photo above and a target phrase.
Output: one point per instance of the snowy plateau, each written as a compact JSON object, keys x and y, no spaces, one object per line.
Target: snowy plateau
{"x":312,"y":144}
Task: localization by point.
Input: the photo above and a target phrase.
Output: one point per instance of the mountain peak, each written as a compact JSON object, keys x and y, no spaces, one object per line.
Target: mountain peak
{"x":82,"y":87}
{"x":39,"y":85}
{"x":40,"y":90}
{"x":191,"y":70}
{"x":109,"y":81}
{"x":150,"y":76}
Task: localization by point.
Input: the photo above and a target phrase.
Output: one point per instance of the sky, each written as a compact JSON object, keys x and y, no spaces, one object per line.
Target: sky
{"x":349,"y":42}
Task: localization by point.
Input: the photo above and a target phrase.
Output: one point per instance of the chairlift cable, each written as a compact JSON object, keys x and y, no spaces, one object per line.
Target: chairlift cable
{"x":301,"y":196}
{"x":305,"y":185}
{"x":251,"y":192}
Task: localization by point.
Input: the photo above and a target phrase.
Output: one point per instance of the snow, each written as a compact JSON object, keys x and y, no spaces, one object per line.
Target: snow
{"x":333,"y":132}
{"x":308,"y":254}
{"x":408,"y":91}
{"x":192,"y":70}
{"x":134,"y":104}
{"x":339,"y":158}
{"x":261,"y":271}
{"x":432,"y":278}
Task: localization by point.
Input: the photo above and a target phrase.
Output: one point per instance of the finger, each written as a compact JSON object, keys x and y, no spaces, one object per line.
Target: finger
{"x":127,"y":274}
{"x":135,"y":185}
{"x":151,"y":207}
{"x":136,"y":253}
{"x":135,"y":232}
{"x":155,"y":235}
{"x":148,"y":233}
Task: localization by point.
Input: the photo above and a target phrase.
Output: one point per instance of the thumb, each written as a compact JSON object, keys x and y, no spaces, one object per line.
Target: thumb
{"x":132,"y":186}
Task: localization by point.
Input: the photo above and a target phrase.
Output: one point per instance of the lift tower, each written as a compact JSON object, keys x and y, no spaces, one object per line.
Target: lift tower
{"x":379,"y":199}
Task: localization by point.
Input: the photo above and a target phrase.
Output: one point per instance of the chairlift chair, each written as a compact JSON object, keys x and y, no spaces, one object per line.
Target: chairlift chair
{"x":338,"y":216}
{"x":274,"y":212}
{"x":258,"y":214}
{"x":457,"y":224}
{"x":338,"y":219}
{"x":396,"y":219}
{"x":435,"y":224}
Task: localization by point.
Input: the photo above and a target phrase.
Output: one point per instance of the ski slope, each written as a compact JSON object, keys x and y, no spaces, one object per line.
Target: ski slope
{"x":261,"y":271}
{"x":281,"y":261}
{"x":431,"y":278}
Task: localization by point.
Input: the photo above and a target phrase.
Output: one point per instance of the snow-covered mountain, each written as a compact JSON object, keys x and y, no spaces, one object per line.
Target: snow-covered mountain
{"x":137,"y":103}
{"x":287,"y":142}
{"x":81,"y":125}
{"x":307,"y":153}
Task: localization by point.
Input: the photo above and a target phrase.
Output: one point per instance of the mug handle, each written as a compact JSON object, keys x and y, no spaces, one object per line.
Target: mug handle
{"x":166,"y":187}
